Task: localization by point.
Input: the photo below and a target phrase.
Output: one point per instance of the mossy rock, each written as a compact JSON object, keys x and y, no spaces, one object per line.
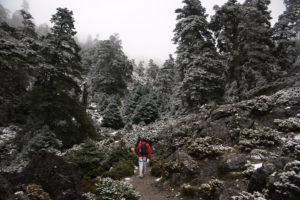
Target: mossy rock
{"x":120,"y":170}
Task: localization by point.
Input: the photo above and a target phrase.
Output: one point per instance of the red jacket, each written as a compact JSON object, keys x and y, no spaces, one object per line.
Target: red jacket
{"x":148,"y":148}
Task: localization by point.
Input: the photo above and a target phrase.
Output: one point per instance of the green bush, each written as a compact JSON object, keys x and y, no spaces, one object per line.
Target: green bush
{"x":120,"y":153}
{"x":88,"y":185}
{"x":112,"y":117}
{"x":120,"y":170}
{"x":90,"y":158}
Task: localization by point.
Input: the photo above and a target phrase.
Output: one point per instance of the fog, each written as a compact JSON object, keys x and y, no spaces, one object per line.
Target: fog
{"x":145,"y":26}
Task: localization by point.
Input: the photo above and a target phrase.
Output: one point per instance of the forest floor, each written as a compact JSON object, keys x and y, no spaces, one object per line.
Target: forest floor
{"x":148,"y":190}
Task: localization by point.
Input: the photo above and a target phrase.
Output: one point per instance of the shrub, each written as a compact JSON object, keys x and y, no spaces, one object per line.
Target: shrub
{"x":89,"y":158}
{"x":209,"y":191}
{"x":31,"y":192}
{"x":112,"y":117}
{"x":119,"y":153}
{"x":207,"y":147}
{"x":88,"y":185}
{"x":109,"y":189}
{"x":120,"y":170}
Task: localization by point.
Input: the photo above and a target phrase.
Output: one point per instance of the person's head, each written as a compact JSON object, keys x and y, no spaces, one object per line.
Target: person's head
{"x":143,"y":138}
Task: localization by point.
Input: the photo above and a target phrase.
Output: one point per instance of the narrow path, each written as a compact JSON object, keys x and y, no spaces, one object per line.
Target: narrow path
{"x":147,"y":189}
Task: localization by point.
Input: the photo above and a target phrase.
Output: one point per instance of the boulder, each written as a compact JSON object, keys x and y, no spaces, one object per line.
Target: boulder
{"x":57,"y":177}
{"x":233,"y":163}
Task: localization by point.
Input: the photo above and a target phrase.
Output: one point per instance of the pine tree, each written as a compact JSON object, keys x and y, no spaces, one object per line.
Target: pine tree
{"x":166,"y":76}
{"x":226,"y":24}
{"x":146,"y":111}
{"x":111,"y":68}
{"x":258,"y":65}
{"x":285,"y":35}
{"x":112,"y":117}
{"x":152,"y":70}
{"x":29,"y":26}
{"x":61,"y":51}
{"x":200,"y":71}
{"x":3,"y":14}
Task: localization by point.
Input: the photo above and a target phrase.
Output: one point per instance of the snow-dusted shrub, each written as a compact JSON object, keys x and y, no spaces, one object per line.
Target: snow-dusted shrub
{"x":208,"y":190}
{"x":255,"y":138}
{"x":248,"y":196}
{"x":31,"y":192}
{"x":89,"y":158}
{"x":286,"y":184}
{"x":207,"y":147}
{"x":109,"y":189}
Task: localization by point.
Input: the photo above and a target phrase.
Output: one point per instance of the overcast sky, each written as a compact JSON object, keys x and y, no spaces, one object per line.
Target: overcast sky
{"x":145,"y":26}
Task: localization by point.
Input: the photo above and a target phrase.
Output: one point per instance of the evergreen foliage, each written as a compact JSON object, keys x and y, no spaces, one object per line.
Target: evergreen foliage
{"x":89,"y":158}
{"x":109,"y":68}
{"x":258,"y":66}
{"x":286,"y":34}
{"x":146,"y":111}
{"x":199,"y":67}
{"x":112,"y":117}
{"x":152,"y":70}
{"x":29,"y":26}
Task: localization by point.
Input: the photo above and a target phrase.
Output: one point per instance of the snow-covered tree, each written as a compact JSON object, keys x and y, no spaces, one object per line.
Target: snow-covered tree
{"x":111,"y":69}
{"x":29,"y":26}
{"x":286,"y":31}
{"x":146,"y":111}
{"x":112,"y":117}
{"x":43,"y":29}
{"x":62,"y":52}
{"x":165,"y":79}
{"x":226,"y":24}
{"x":152,"y":70}
{"x":3,"y":14}
{"x":200,"y":71}
{"x":258,"y":66}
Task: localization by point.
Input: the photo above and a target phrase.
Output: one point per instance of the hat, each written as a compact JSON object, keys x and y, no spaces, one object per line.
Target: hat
{"x":143,"y":138}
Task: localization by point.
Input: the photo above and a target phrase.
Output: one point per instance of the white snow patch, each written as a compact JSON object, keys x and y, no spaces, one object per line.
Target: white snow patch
{"x":287,"y":108}
{"x":114,"y":133}
{"x":297,"y":137}
{"x":100,"y":119}
{"x":158,"y":179}
{"x":283,"y":139}
{"x":127,"y":179}
{"x":256,"y":166}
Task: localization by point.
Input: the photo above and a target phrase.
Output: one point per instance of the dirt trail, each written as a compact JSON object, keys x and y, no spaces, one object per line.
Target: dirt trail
{"x":147,"y":189}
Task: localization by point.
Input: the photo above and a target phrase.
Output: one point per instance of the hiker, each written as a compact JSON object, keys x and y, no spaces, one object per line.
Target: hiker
{"x":138,"y":141}
{"x":143,"y":151}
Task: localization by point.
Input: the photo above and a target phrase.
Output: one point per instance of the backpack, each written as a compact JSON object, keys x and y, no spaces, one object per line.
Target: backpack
{"x":143,"y":150}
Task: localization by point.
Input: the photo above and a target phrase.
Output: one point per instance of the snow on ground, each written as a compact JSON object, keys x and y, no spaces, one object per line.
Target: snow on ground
{"x":257,"y":165}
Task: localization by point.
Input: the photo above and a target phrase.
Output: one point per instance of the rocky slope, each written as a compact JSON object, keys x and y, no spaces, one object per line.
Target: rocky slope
{"x":244,"y":150}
